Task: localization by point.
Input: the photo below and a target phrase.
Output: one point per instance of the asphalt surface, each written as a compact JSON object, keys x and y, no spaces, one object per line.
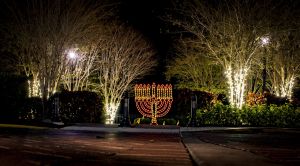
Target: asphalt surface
{"x":99,"y":145}
{"x":24,"y":147}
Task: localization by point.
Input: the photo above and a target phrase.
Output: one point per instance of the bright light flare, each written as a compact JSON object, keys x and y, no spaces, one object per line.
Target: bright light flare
{"x":72,"y":55}
{"x":265,"y":40}
{"x":111,"y":109}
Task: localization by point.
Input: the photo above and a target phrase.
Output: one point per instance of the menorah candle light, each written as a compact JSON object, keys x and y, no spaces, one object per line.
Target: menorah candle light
{"x":153,"y":100}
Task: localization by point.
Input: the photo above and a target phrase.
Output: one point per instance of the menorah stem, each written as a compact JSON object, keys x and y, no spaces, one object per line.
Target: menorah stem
{"x":153,"y":121}
{"x":153,"y":101}
{"x":154,"y":112}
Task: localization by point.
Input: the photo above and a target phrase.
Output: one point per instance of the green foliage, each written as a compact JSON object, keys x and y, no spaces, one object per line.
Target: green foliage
{"x":192,"y":69}
{"x":145,"y":121}
{"x":181,"y":106}
{"x":260,"y":115}
{"x":136,"y":121}
{"x":79,"y":107}
{"x":220,"y":115}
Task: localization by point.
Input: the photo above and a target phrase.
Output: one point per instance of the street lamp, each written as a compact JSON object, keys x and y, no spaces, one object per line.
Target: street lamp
{"x":264,"y":42}
{"x":72,"y":55}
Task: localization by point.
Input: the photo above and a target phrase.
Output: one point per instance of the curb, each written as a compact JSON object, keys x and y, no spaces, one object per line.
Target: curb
{"x":121,"y":129}
{"x":193,"y":155}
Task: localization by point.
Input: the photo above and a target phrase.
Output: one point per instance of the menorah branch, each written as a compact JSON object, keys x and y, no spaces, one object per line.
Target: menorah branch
{"x":153,"y":101}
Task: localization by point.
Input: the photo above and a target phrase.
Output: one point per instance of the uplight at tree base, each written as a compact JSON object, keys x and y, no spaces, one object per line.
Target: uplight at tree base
{"x":111,"y":111}
{"x":34,"y":88}
{"x":286,"y":88}
{"x":236,"y":81}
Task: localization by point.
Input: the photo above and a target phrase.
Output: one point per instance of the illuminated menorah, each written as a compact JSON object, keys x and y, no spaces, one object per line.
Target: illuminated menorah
{"x":153,"y":101}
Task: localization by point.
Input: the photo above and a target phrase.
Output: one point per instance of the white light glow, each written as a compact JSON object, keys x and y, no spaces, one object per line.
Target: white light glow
{"x":153,"y":100}
{"x":286,"y":88}
{"x":265,"y":41}
{"x":111,"y":109}
{"x":72,"y":55}
{"x":34,"y":88}
{"x":236,"y":81}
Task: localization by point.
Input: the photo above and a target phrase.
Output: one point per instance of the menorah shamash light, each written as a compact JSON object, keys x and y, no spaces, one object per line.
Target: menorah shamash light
{"x":153,"y":100}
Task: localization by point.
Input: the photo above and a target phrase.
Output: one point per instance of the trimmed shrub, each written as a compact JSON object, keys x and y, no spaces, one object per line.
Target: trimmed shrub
{"x":31,"y":110}
{"x":78,"y":107}
{"x":145,"y":121}
{"x":259,"y":115}
{"x":181,"y":107}
{"x":218,"y":115}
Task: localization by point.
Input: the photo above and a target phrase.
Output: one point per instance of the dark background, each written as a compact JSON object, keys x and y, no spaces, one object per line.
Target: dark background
{"x":147,"y":16}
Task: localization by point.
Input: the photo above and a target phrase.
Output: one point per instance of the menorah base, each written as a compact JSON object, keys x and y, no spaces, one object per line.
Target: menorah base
{"x":153,"y":121}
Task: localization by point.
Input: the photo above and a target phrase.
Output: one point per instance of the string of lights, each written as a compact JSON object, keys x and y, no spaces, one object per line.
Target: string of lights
{"x":153,"y":100}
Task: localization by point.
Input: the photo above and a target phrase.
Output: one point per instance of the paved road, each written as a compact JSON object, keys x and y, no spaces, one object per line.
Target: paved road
{"x":244,"y":146}
{"x":98,"y":145}
{"x":24,"y":147}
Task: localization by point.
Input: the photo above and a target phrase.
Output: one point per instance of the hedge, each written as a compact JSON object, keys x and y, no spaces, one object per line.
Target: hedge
{"x":259,"y":115}
{"x":78,"y":107}
{"x":31,"y":110}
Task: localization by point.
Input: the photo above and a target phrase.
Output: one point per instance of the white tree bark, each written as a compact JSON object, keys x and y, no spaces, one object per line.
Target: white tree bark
{"x":284,"y":65}
{"x":122,"y":57}
{"x":77,"y":71}
{"x":44,"y":30}
{"x":227,"y":34}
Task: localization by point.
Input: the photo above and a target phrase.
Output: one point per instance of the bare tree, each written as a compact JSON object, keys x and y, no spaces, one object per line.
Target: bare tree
{"x":284,"y":65}
{"x":79,"y":66}
{"x":122,"y":56}
{"x":44,"y":30}
{"x":230,"y":33}
{"x":192,"y":69}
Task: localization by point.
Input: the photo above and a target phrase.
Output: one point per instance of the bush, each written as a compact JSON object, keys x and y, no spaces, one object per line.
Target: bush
{"x":181,"y":105}
{"x":78,"y":107}
{"x":31,"y":110}
{"x":219,"y":115}
{"x":260,"y":115}
{"x":145,"y":120}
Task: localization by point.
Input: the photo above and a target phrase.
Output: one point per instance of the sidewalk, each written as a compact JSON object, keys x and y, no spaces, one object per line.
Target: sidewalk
{"x":209,"y":154}
{"x":115,"y":128}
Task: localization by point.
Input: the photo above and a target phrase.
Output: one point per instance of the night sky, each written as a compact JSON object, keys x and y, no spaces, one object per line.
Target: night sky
{"x":146,"y":16}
